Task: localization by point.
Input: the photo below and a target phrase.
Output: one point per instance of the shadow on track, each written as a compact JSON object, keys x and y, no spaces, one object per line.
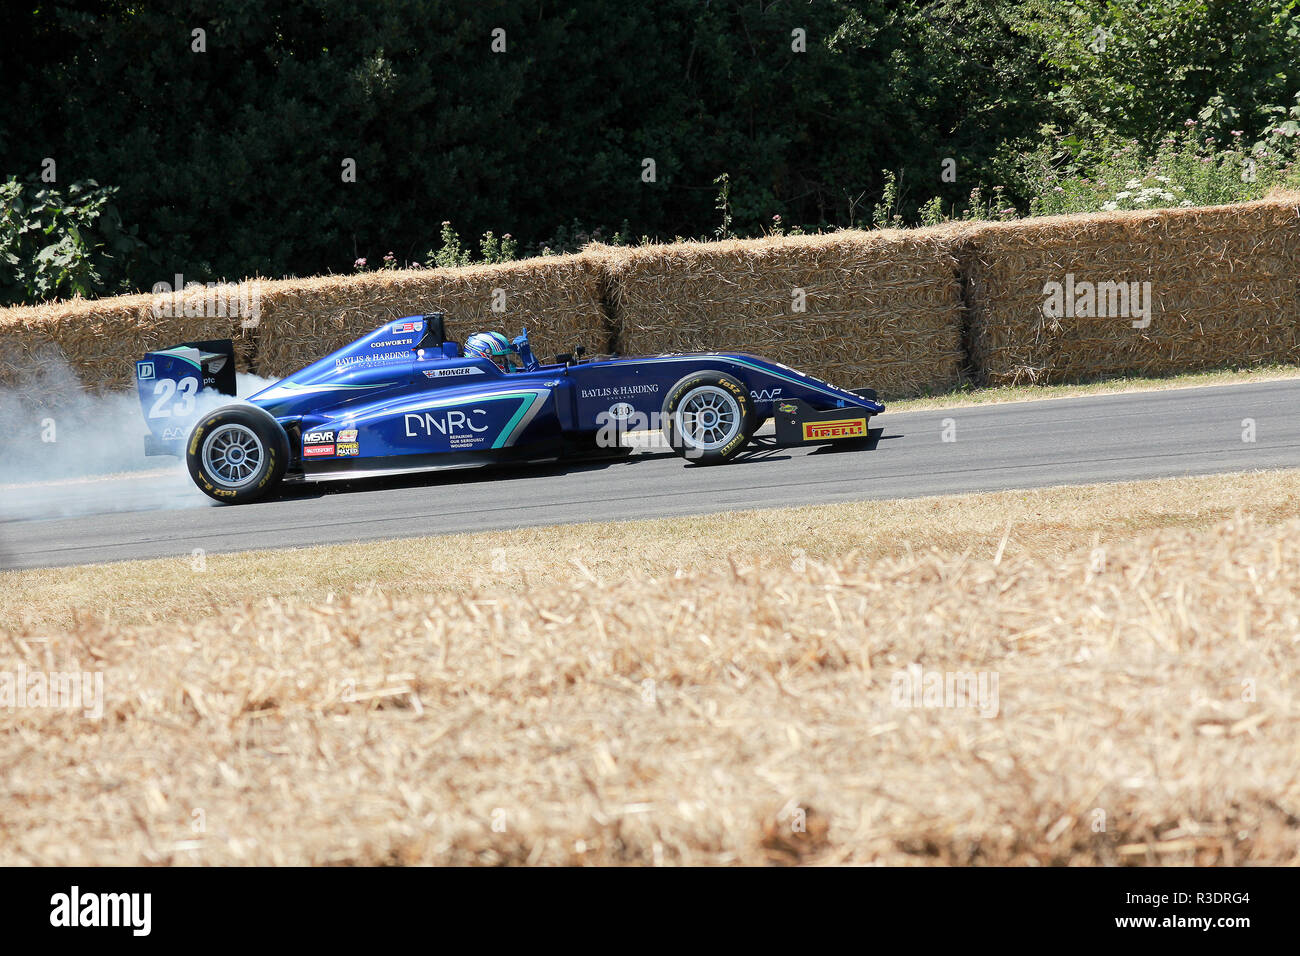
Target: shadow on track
{"x":444,"y":477}
{"x":512,"y":471}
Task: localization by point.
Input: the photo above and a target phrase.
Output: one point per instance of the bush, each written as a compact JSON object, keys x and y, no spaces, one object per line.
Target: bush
{"x":1186,"y":169}
{"x":55,"y":245}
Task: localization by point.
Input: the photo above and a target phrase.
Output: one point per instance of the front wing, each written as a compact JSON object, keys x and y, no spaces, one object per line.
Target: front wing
{"x":798,"y":423}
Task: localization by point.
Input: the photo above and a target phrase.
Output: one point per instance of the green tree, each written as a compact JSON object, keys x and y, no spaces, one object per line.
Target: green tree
{"x":1142,"y":68}
{"x":60,"y":243}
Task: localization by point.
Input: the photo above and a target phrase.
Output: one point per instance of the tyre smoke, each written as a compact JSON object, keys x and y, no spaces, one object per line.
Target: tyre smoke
{"x":70,"y":451}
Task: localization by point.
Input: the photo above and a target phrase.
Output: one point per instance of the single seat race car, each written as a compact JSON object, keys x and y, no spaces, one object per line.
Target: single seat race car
{"x":405,"y":398}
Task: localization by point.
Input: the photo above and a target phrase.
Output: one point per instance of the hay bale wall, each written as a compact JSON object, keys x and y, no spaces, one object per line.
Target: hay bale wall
{"x":1223,"y":291}
{"x":905,"y":311}
{"x":100,"y":339}
{"x":881,"y":309}
{"x":558,"y":298}
{"x":299,"y":320}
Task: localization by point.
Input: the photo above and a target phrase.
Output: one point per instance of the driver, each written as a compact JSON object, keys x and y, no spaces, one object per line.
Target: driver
{"x":492,"y":346}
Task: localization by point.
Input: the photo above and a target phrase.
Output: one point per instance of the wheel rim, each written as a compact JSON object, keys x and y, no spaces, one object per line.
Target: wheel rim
{"x":707,"y":418}
{"x":232,"y":455}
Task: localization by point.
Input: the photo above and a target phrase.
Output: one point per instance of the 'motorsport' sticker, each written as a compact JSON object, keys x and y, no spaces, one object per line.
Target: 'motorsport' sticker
{"x":318,"y":451}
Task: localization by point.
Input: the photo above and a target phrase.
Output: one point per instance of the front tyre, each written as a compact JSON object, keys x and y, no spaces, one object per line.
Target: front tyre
{"x":708,"y":417}
{"x":237,"y":454}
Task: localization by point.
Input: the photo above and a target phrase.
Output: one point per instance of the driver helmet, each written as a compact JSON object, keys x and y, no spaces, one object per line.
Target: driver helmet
{"x":492,"y":346}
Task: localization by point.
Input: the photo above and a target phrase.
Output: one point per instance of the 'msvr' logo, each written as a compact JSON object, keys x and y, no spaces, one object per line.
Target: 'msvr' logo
{"x":447,"y":424}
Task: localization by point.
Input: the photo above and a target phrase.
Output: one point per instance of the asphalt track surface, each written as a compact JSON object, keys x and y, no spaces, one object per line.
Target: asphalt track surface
{"x":1016,"y":445}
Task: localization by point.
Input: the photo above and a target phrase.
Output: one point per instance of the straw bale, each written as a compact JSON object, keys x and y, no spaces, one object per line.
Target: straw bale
{"x":100,"y":339}
{"x":883,"y":309}
{"x":903,"y":311}
{"x":558,"y":298}
{"x":1223,"y":291}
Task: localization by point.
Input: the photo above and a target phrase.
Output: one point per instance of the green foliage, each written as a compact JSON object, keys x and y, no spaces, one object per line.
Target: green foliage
{"x":1139,"y":68}
{"x":975,"y":82}
{"x":723,"y":206}
{"x":1185,"y":169}
{"x":450,"y":253}
{"x":885,"y":213}
{"x":623,"y":236}
{"x":494,"y":250}
{"x":931,"y":213}
{"x":231,"y":160}
{"x":823,"y":115}
{"x":59,"y":243}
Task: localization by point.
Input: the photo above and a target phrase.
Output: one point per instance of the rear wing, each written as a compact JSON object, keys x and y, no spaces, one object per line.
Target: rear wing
{"x":168,"y":382}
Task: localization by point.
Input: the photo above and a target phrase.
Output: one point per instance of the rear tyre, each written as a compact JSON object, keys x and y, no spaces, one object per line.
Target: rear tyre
{"x":709,"y":417}
{"x":237,"y":454}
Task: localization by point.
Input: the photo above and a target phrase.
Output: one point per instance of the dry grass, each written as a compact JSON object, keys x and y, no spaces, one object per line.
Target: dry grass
{"x":1001,"y":394}
{"x":1146,"y":705}
{"x":1047,"y":523}
{"x":1223,"y":290}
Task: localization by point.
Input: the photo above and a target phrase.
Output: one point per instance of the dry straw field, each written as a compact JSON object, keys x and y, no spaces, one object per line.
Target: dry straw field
{"x":906,"y":311}
{"x":742,"y":710}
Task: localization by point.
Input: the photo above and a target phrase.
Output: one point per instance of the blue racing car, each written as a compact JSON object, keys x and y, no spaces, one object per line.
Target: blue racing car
{"x":404,"y":397}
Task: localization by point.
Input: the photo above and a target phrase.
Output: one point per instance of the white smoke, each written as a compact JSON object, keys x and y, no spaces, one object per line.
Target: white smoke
{"x":67,"y":451}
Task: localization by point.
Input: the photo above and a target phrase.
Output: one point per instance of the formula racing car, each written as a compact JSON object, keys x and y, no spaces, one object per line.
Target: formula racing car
{"x":405,"y":398}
